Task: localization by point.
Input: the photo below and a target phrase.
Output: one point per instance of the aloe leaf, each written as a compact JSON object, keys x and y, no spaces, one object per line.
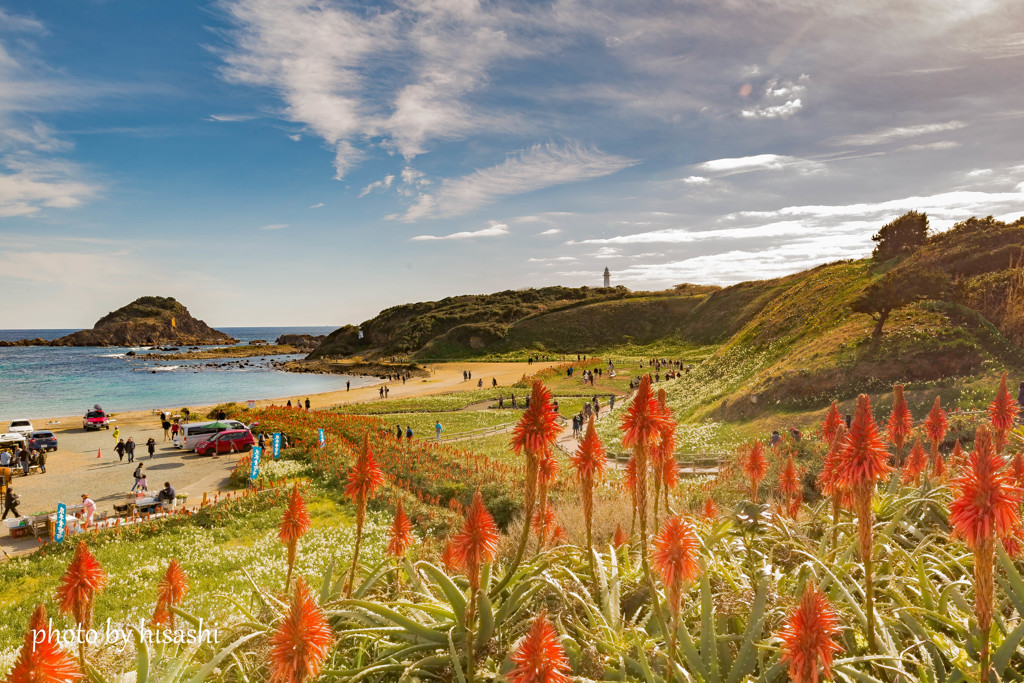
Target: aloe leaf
{"x":455,"y":597}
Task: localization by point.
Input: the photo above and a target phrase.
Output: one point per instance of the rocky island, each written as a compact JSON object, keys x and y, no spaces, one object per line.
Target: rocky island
{"x":147,"y":321}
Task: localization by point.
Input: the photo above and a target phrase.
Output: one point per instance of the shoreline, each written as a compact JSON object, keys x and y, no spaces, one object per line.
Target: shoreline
{"x":440,"y":378}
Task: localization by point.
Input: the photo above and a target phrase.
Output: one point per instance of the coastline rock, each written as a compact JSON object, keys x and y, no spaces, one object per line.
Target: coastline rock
{"x":147,"y":321}
{"x":303,"y":342}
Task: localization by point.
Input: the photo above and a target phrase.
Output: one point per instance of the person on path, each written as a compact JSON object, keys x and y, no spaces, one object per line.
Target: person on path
{"x":381,"y":392}
{"x":175,"y":428}
{"x":120,"y":448}
{"x":408,"y":433}
{"x":129,"y":449}
{"x":513,"y":401}
{"x":307,"y":404}
{"x":398,"y":432}
{"x":11,"y":500}
{"x":575,"y":427}
{"x":611,"y":402}
{"x":480,"y":383}
{"x":151,"y":447}
{"x":386,"y":391}
{"x":88,"y":509}
{"x":438,"y":429}
{"x":24,"y":461}
{"x":494,"y":382}
{"x":167,"y":429}
{"x":501,"y":401}
{"x":117,"y":433}
{"x":597,"y":408}
{"x":348,"y":385}
{"x":138,"y":476}
{"x":42,"y":462}
{"x":144,"y":483}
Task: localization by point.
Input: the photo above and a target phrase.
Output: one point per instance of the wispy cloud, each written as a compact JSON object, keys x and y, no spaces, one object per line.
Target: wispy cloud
{"x":230,"y":118}
{"x":31,"y":185}
{"x":886,"y":135}
{"x":532,"y":169}
{"x":495,"y":230}
{"x":550,"y":231}
{"x":318,"y":205}
{"x":20,"y":23}
{"x":383,"y":184}
{"x":274,"y":226}
{"x":759,"y":162}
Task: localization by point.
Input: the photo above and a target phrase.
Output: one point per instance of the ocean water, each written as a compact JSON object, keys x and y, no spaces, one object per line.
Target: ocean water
{"x":40,"y":381}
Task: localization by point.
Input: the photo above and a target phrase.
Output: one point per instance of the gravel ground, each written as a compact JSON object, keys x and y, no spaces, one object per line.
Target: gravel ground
{"x":74,"y":469}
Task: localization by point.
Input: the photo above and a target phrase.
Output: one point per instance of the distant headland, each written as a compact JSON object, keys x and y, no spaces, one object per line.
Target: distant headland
{"x":147,"y":321}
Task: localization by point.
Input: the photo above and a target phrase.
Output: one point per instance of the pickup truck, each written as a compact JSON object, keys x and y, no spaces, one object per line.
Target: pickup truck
{"x":95,"y":419}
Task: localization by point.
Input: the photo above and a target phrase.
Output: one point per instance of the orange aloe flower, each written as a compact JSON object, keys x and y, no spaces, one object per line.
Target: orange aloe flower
{"x":986,"y":507}
{"x":41,"y":659}
{"x":831,"y":423}
{"x":543,"y":522}
{"x":302,"y":641}
{"x":827,"y":477}
{"x":477,"y":543}
{"x":644,"y":420}
{"x":620,"y":537}
{"x":958,"y":459}
{"x":538,"y":427}
{"x":78,"y":587}
{"x":172,"y":590}
{"x":710,"y":510}
{"x":450,"y":557}
{"x":294,"y":523}
{"x":808,"y":637}
{"x":1003,"y":413}
{"x":590,"y":461}
{"x":901,"y":422}
{"x":539,"y":656}
{"x":755,"y":466}
{"x":916,"y":463}
{"x":1017,"y":467}
{"x":401,"y":533}
{"x":789,"y":480}
{"x":935,"y":426}
{"x":363,"y":479}
{"x":676,"y":556}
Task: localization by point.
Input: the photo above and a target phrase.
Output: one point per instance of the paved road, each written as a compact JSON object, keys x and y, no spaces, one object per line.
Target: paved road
{"x":74,"y":469}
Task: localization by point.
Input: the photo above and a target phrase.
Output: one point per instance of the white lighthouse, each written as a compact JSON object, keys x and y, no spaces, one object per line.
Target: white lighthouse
{"x":607,"y":278}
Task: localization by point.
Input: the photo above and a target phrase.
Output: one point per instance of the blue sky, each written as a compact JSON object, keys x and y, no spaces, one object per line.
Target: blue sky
{"x":293,"y":162}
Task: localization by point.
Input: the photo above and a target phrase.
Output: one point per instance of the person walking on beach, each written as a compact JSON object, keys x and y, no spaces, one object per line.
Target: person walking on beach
{"x":41,"y":459}
{"x":167,"y":429}
{"x":611,"y":402}
{"x":23,"y":460}
{"x":138,"y":476}
{"x":120,"y":449}
{"x":438,"y":429}
{"x":117,"y":433}
{"x":348,"y":385}
{"x":129,"y":449}
{"x":11,"y":500}
{"x":307,"y":404}
{"x":151,"y":447}
{"x":386,"y":391}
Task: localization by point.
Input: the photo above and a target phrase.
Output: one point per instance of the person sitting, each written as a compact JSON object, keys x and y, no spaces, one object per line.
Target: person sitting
{"x":166,"y":495}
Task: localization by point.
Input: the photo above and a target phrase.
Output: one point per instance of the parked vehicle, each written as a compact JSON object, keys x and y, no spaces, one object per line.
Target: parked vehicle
{"x":193,"y":433}
{"x":12,"y":441}
{"x":228,"y":441}
{"x":23,"y":427}
{"x":42,"y":441}
{"x":95,"y":418}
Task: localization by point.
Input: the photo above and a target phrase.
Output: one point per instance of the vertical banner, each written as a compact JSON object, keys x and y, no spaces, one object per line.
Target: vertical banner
{"x":323,"y":438}
{"x":254,"y":470}
{"x":277,"y":445}
{"x":61,"y":523}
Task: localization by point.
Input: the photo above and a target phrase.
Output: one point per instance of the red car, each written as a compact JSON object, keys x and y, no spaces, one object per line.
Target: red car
{"x":228,"y":441}
{"x":95,"y":419}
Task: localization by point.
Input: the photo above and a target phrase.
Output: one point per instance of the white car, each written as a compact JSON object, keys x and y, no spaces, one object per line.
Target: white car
{"x":13,"y":441}
{"x":23,"y":427}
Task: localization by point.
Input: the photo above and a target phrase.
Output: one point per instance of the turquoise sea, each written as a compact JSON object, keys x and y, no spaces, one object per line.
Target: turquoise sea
{"x":41,"y":381}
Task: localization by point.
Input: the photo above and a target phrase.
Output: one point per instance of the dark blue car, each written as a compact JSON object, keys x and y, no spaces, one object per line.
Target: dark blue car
{"x":42,"y":441}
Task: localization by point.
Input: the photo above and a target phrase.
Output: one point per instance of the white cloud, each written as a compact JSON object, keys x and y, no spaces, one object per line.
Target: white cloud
{"x":931,"y":146}
{"x":696,"y":180}
{"x":683,"y":236}
{"x":774,"y":111}
{"x":32,"y":184}
{"x":16,"y":22}
{"x":383,"y":184}
{"x":885,"y":135}
{"x":532,"y":169}
{"x":495,"y":230}
{"x":274,"y":226}
{"x":550,"y":231}
{"x":318,"y":205}
{"x":556,"y":259}
{"x":759,"y":162}
{"x":230,"y":118}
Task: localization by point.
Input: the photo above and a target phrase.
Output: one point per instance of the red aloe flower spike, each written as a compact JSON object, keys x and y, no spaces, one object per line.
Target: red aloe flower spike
{"x":41,"y":659}
{"x":863,"y":461}
{"x":1003,"y":413}
{"x":477,"y":543}
{"x":620,"y":537}
{"x":172,"y":590}
{"x":935,"y":426}
{"x":401,"y":533}
{"x":957,"y":459}
{"x":676,"y":556}
{"x":986,"y":507}
{"x":710,"y":510}
{"x":294,"y":524}
{"x":450,"y":557}
{"x":755,"y":466}
{"x":901,"y":422}
{"x":831,"y":422}
{"x":302,"y":641}
{"x":916,"y":463}
{"x":363,"y":479}
{"x":1017,"y":467}
{"x":789,"y":485}
{"x":808,"y":637}
{"x":82,"y":580}
{"x":539,"y":656}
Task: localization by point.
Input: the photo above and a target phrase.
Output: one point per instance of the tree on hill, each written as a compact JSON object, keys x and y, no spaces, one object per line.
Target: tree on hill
{"x":899,"y":288}
{"x":901,"y":237}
